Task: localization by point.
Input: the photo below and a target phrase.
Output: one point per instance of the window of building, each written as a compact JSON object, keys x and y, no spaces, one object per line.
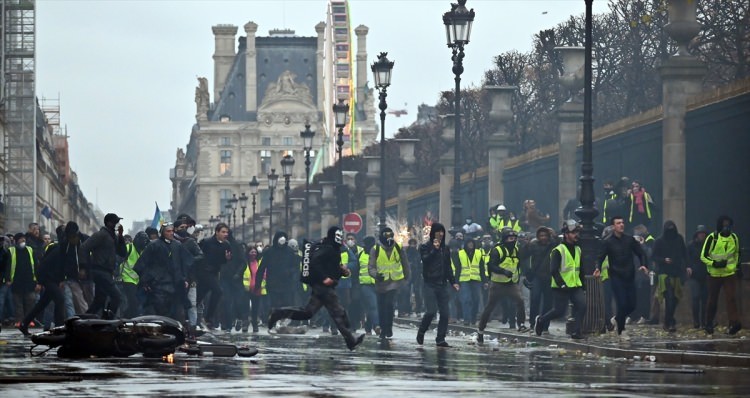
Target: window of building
{"x":225,"y":141}
{"x":225,"y":163}
{"x":265,"y":162}
{"x":265,"y":141}
{"x":287,"y":141}
{"x":224,"y":196}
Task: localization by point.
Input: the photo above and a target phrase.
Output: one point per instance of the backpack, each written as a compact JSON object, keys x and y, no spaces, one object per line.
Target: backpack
{"x":311,"y":255}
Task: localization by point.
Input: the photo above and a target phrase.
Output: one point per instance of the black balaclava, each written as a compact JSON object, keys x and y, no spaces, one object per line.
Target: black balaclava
{"x":724,"y":231}
{"x":670,"y":230}
{"x":386,"y":237}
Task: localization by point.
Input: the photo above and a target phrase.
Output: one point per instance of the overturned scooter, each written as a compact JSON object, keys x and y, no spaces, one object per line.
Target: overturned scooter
{"x":150,"y":335}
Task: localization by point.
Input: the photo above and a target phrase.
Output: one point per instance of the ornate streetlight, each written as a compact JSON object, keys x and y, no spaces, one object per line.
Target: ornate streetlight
{"x":381,"y":70}
{"x":587,"y":212}
{"x":243,"y":206}
{"x":273,"y":178}
{"x":287,"y":164}
{"x":307,"y":142}
{"x":254,"y":192}
{"x":341,"y":110}
{"x":233,"y":202}
{"x":458,"y":22}
{"x":213,"y":221}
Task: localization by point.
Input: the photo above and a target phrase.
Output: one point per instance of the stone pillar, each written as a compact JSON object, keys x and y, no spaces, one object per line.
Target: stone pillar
{"x":406,"y":179}
{"x":361,"y":81}
{"x":570,"y":116}
{"x":499,"y":143}
{"x":320,"y":29}
{"x":223,"y":55}
{"x":296,"y":219}
{"x":446,"y":170}
{"x":682,"y":76}
{"x":251,"y":68}
{"x":372,"y":196}
{"x":328,"y":205}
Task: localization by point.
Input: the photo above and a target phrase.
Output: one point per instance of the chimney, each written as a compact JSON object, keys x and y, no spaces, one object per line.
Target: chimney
{"x":361,"y":32}
{"x":251,"y":69}
{"x":223,"y":56}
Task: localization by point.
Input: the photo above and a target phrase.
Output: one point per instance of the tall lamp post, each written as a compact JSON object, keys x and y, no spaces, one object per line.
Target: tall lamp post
{"x":273,"y":178}
{"x":381,"y":69}
{"x":254,"y":192}
{"x":587,"y":212}
{"x":243,"y":206}
{"x":213,"y":221}
{"x":287,"y":164}
{"x":307,"y":142}
{"x":341,"y":110}
{"x":458,"y":22}
{"x":233,"y":202}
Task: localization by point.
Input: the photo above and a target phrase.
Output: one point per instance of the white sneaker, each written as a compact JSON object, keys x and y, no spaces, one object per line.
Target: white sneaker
{"x":624,"y":336}
{"x":641,"y":321}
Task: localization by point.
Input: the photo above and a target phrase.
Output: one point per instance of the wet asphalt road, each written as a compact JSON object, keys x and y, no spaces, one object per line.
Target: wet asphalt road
{"x":316,"y":364}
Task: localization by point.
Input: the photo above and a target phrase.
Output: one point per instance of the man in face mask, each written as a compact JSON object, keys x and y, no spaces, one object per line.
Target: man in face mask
{"x":721,"y":254}
{"x":325,"y":270}
{"x":281,"y":267}
{"x":669,"y":256}
{"x":20,"y":276}
{"x":389,"y":266}
{"x":472,"y":229}
{"x":192,"y":257}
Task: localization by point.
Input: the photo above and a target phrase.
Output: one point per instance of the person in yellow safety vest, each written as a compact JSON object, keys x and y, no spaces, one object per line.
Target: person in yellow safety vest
{"x":368,"y":296}
{"x":503,"y":270}
{"x":721,"y":254}
{"x":390,"y":268}
{"x":471,"y":277}
{"x":20,"y":276}
{"x":504,"y":220}
{"x":253,"y":288}
{"x":641,"y":205}
{"x":129,"y":283}
{"x":565,"y":265}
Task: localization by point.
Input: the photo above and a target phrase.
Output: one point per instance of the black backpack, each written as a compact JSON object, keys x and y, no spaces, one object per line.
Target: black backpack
{"x":311,"y":255}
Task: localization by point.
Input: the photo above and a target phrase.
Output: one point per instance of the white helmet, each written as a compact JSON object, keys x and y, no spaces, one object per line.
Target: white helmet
{"x":501,"y":208}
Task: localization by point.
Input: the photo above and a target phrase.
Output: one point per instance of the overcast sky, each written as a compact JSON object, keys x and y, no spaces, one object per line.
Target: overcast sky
{"x":125,"y":71}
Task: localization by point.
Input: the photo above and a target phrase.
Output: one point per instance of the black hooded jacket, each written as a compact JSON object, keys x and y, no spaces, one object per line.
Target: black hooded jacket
{"x":214,"y":255}
{"x":327,"y":262}
{"x":436,"y":262}
{"x":279,"y":265}
{"x":670,"y":245}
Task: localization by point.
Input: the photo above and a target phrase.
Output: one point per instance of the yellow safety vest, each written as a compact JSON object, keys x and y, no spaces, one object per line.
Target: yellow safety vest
{"x":510,"y":263}
{"x":128,"y":274}
{"x":12,"y":251}
{"x":723,"y":248}
{"x":364,"y":277}
{"x":390,"y":267}
{"x":646,"y":199}
{"x":605,"y":269}
{"x":569,"y":267}
{"x":469,"y":266}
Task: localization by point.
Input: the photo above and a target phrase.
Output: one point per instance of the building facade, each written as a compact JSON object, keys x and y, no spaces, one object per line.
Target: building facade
{"x":266,"y":90}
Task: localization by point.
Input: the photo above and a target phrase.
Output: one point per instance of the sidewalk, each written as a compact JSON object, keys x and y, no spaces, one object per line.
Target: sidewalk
{"x":686,"y":347}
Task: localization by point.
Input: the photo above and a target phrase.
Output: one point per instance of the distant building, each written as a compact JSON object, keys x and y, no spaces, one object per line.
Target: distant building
{"x":264,"y":93}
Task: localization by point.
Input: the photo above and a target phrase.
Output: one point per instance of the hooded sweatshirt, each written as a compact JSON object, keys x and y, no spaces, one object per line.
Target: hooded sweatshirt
{"x":436,"y":262}
{"x":279,"y":265}
{"x":670,"y":245}
{"x":327,"y":262}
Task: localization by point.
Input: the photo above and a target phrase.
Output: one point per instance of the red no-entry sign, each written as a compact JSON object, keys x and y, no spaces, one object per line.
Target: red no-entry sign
{"x":352,"y":223}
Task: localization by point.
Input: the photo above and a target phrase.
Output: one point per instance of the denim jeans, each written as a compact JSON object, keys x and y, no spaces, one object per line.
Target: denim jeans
{"x":469,"y":294}
{"x":369,"y":306}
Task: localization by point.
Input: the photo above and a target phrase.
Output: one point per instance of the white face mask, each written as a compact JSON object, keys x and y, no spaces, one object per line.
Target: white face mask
{"x":22,"y":245}
{"x":190,"y":230}
{"x":282,"y":241}
{"x":259,"y":249}
{"x":350,"y":243}
{"x":339,"y":238}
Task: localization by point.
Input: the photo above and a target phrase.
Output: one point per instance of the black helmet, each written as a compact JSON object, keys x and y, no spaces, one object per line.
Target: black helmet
{"x":506,"y":233}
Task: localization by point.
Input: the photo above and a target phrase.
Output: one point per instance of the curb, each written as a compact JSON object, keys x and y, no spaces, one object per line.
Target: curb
{"x":666,"y":356}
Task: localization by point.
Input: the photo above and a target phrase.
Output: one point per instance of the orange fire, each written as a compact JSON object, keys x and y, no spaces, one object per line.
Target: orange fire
{"x":168,"y":358}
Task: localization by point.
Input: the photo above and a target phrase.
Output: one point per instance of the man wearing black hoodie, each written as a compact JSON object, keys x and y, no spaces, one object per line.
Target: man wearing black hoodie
{"x":280,"y":266}
{"x":104,"y":246}
{"x":670,"y":258}
{"x":324,"y":274}
{"x":437,"y":274}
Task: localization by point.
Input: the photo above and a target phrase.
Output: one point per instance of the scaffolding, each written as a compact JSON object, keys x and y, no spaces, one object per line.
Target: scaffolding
{"x":19,"y":108}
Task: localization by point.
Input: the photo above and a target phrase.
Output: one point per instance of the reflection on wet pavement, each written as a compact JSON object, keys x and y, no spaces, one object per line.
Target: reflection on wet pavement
{"x":320,"y":365}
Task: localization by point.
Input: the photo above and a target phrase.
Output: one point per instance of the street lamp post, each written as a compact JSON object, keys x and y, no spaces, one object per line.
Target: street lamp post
{"x":213,"y":221}
{"x":458,"y":22}
{"x":233,"y":203}
{"x":381,"y":69}
{"x":287,"y":164}
{"x":273,"y":178}
{"x":254,"y":192}
{"x":341,"y":110}
{"x":307,"y":142}
{"x":587,"y":212}
{"x":243,"y":206}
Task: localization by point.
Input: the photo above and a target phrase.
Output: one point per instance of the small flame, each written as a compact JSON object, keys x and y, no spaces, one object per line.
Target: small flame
{"x":168,"y":358}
